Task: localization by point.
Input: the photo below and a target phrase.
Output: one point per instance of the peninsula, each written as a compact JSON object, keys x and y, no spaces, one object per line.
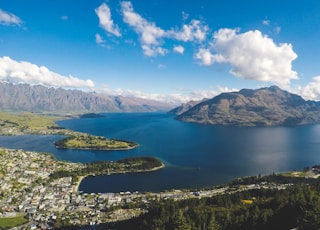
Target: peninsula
{"x":37,"y":190}
{"x":90,"y":142}
{"x":30,"y":123}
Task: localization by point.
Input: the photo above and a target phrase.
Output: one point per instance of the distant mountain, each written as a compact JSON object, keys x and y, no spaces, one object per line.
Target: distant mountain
{"x":24,"y":97}
{"x":185,"y":107}
{"x":262,"y":107}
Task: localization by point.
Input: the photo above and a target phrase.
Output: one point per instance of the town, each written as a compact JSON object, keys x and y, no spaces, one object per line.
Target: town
{"x":28,"y":191}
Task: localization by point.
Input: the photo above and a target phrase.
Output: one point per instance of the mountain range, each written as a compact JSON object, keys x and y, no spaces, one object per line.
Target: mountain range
{"x":270,"y":106}
{"x":38,"y":98}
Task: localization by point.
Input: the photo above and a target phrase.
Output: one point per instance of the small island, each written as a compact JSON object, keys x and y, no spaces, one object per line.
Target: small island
{"x":91,"y":115}
{"x":90,"y":142}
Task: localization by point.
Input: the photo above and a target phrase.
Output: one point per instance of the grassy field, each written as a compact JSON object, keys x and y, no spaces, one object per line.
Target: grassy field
{"x":10,"y":222}
{"x":23,"y":121}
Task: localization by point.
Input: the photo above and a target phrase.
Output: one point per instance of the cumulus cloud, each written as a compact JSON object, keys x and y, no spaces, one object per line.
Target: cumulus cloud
{"x":312,"y":90}
{"x":104,"y":14}
{"x":251,"y":55}
{"x":150,"y":35}
{"x":178,"y":49}
{"x":153,"y":50}
{"x":195,"y":31}
{"x":26,"y":72}
{"x":7,"y":18}
{"x":205,"y":56}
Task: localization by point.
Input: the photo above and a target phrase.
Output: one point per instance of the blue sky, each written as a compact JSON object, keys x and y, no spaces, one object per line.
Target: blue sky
{"x":159,"y":49}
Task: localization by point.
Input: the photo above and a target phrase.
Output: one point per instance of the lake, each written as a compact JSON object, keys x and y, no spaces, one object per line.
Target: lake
{"x":195,"y":155}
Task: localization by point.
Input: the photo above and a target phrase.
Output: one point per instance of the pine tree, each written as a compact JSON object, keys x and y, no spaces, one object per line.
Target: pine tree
{"x":180,"y":222}
{"x":212,"y":224}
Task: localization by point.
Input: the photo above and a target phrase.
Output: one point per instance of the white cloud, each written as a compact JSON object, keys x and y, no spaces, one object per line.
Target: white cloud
{"x":178,"y":49}
{"x":198,"y":95}
{"x":251,"y":56}
{"x":153,"y":50}
{"x":266,"y":22}
{"x":173,"y":98}
{"x":99,"y":39}
{"x":195,"y":31}
{"x":150,"y":35}
{"x":26,"y":72}
{"x":312,"y":90}
{"x":104,"y":14}
{"x":9,"y":18}
{"x":205,"y":56}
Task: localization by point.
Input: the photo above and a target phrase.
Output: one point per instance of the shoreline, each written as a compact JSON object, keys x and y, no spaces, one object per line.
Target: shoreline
{"x":52,"y":128}
{"x":76,"y":186}
{"x":153,"y":169}
{"x":96,"y":149}
{"x":80,"y":178}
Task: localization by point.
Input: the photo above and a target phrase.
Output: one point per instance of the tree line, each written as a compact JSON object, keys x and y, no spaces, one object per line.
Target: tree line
{"x":104,"y":167}
{"x":298,"y":206}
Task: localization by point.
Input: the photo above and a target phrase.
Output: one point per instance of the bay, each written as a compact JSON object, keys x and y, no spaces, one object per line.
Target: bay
{"x":195,"y":155}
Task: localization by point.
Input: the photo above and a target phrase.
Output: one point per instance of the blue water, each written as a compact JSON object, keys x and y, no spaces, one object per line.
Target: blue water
{"x":195,"y":155}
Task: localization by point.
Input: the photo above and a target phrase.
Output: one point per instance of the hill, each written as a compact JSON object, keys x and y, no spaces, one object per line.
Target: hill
{"x":185,"y":107}
{"x":262,"y":107}
{"x":24,"y":97}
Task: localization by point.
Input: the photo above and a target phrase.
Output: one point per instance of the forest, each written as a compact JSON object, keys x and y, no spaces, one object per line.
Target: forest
{"x":132,"y":164}
{"x":293,"y":206}
{"x":297,"y":207}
